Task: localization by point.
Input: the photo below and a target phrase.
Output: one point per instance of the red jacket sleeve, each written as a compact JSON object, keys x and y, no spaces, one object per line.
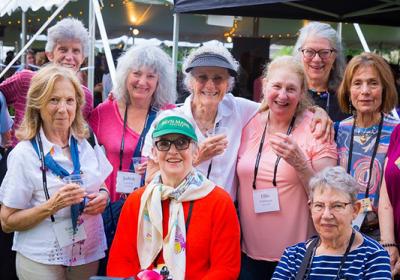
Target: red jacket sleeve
{"x":123,"y":260}
{"x":225,"y":242}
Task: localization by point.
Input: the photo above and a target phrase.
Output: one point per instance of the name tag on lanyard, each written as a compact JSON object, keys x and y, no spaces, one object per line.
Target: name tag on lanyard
{"x":127,"y":182}
{"x":266,"y":200}
{"x":366,"y":206}
{"x":65,"y":233}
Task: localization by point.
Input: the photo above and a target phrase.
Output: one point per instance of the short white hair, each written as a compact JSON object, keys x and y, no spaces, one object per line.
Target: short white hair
{"x":68,"y":29}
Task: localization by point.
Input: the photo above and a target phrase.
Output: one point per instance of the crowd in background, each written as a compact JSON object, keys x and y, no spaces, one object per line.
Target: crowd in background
{"x":141,"y":179}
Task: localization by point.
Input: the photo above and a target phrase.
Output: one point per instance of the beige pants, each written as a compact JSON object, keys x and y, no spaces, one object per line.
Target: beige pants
{"x":31,"y":270}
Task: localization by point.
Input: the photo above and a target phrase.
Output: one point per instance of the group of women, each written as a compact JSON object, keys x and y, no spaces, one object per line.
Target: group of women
{"x":213,"y":150}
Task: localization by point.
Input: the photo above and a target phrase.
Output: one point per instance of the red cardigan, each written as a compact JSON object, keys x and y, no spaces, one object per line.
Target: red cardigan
{"x":213,"y":238}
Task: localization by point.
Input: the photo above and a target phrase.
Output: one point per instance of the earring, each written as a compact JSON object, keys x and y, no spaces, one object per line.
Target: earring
{"x":350,"y":107}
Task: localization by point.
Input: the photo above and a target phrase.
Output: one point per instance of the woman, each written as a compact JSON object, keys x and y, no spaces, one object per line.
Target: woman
{"x":368,"y":92}
{"x":181,"y":220}
{"x":56,"y":236}
{"x":210,"y":76}
{"x":277,"y":156}
{"x":339,"y":252}
{"x":144,"y":86}
{"x":67,"y":45}
{"x":389,"y":207}
{"x":320,"y":50}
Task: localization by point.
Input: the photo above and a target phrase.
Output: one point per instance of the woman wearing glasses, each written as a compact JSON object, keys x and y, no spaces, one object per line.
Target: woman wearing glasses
{"x":210,"y":73}
{"x":320,"y":51}
{"x":181,"y":224}
{"x":338,"y":252}
{"x":278,"y":154}
{"x":368,"y":92}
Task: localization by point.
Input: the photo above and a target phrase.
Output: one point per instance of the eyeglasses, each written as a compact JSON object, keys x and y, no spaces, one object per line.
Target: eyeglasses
{"x":336,"y":207}
{"x":322,"y":53}
{"x":180,"y":144}
{"x":217,"y":79}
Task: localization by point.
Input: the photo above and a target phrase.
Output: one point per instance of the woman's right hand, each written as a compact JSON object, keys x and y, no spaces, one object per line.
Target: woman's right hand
{"x":211,"y":147}
{"x":67,"y":195}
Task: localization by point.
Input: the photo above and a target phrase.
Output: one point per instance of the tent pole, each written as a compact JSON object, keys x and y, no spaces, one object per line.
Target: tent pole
{"x":48,"y":21}
{"x":104,"y":39}
{"x":361,"y":37}
{"x":92,"y":34}
{"x":175,"y":49}
{"x":339,"y":31}
{"x":23,"y":38}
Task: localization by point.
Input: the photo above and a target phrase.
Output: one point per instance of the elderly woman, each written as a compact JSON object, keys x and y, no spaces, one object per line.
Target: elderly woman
{"x":389,"y":203}
{"x":181,"y":221}
{"x":368,"y":92}
{"x":67,"y":45}
{"x":210,"y":75}
{"x":338,"y":252}
{"x":144,"y":86}
{"x":56,"y":235}
{"x":277,"y":156}
{"x":320,"y":50}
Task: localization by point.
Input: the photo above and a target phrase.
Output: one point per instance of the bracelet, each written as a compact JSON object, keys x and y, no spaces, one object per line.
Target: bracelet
{"x":386,"y":245}
{"x":108,"y":194}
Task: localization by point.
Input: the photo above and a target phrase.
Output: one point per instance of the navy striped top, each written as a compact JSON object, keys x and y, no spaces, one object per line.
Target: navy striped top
{"x":368,"y":261}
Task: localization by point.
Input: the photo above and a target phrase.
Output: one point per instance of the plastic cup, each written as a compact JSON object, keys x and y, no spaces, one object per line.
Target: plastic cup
{"x":139,"y":164}
{"x":217,"y":131}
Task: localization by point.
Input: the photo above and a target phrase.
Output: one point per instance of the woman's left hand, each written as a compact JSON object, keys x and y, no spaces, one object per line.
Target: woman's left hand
{"x":97,"y":203}
{"x":284,"y":146}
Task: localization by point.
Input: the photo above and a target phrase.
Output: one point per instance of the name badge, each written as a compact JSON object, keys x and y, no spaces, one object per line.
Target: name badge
{"x":127,"y":182}
{"x":65,"y":233}
{"x":366,"y":206}
{"x":266,"y":200}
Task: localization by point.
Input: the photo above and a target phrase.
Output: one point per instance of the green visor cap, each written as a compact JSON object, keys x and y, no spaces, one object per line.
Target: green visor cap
{"x":174,"y":125}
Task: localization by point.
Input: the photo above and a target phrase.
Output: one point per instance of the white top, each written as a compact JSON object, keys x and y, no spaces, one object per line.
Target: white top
{"x":22,"y":188}
{"x":233,"y":113}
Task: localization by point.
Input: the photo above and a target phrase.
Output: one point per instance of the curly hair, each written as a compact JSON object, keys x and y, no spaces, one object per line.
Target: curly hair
{"x":146,"y":56}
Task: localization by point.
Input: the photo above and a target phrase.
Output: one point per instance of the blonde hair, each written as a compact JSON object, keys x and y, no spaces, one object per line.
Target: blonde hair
{"x":39,"y":94}
{"x":389,"y":92}
{"x":291,"y":65}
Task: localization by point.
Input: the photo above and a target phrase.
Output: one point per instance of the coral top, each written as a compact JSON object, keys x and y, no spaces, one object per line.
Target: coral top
{"x":266,"y":235}
{"x":213,"y":238}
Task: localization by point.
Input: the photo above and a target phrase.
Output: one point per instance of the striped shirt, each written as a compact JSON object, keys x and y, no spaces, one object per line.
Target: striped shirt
{"x":15,"y":90}
{"x":368,"y":261}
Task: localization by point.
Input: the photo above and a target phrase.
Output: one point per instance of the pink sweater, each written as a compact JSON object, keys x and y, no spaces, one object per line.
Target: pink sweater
{"x":108,"y":124}
{"x":15,"y":90}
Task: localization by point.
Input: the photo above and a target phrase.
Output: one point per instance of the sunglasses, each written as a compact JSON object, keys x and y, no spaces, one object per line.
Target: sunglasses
{"x":180,"y":144}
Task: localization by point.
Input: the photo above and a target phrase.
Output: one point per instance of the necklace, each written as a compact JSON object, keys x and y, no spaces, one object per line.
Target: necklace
{"x":365,"y":133}
{"x":64,"y":147}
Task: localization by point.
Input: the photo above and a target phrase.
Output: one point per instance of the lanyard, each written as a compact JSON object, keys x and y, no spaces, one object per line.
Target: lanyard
{"x":151,"y":115}
{"x":260,"y":150}
{"x":342,"y":261}
{"x":371,"y":165}
{"x":47,"y":162}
